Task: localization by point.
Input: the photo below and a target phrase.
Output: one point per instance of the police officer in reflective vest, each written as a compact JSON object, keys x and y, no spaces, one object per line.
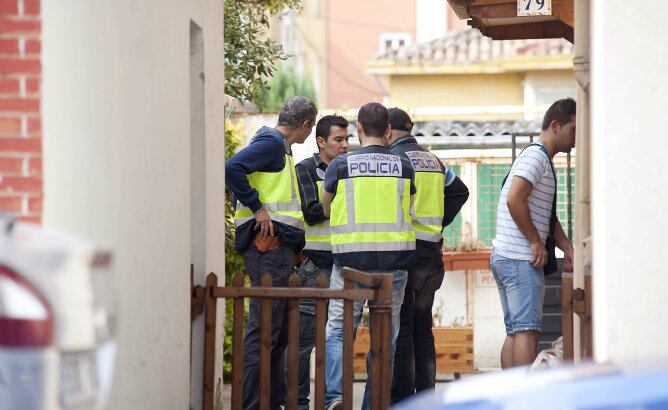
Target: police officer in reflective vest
{"x":368,"y":197}
{"x":332,"y":135}
{"x":440,"y":196}
{"x":269,"y":231}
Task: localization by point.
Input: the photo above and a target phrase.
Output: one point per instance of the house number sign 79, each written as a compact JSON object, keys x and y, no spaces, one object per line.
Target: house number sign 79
{"x":534,"y":7}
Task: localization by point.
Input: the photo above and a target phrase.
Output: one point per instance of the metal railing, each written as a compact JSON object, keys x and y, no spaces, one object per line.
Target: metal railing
{"x":376,"y":288}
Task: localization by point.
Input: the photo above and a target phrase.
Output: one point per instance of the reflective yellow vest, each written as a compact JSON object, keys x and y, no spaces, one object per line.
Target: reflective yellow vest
{"x":278,"y":194}
{"x":429,"y":207}
{"x":318,"y":235}
{"x":372,"y":214}
{"x":428,"y":218}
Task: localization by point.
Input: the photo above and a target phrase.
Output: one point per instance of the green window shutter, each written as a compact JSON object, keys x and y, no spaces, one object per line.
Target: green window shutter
{"x":562,"y":197}
{"x":490,"y":177}
{"x":452,"y":234}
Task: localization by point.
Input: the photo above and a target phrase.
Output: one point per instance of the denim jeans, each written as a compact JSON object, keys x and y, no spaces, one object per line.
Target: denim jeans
{"x":415,"y":356}
{"x":334,"y":342}
{"x":279,"y":264}
{"x":308,"y":272}
{"x":522,"y":290}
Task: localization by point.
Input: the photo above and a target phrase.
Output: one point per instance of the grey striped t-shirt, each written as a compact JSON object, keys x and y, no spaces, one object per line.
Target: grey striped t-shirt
{"x":532,"y":164}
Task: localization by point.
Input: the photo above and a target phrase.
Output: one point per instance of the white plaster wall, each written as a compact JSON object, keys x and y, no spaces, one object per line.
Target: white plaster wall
{"x":558,"y":83}
{"x":485,"y":315}
{"x":253,"y":122}
{"x":489,"y":330}
{"x":629,"y":96}
{"x":450,"y":301}
{"x":208,"y":14}
{"x":116,"y":112}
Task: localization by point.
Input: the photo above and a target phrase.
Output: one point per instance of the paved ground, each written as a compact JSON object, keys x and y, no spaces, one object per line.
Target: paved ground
{"x":358,"y":393}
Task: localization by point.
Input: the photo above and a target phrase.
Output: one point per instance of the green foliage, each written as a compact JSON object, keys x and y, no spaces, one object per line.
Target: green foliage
{"x":284,"y":84}
{"x":249,"y":61}
{"x":249,"y":55}
{"x":233,"y":261}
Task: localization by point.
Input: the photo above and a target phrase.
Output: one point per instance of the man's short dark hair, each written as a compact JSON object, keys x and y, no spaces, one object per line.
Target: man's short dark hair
{"x":560,"y":111}
{"x":374,"y":119}
{"x":295,"y":110}
{"x":326,"y":123}
{"x":400,"y":120}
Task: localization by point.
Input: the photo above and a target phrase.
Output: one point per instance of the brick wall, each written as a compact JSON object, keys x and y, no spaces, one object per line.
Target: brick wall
{"x":20,"y":120}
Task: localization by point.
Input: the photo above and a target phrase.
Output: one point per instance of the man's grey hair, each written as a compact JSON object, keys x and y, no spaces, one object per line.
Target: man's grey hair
{"x":295,"y":110}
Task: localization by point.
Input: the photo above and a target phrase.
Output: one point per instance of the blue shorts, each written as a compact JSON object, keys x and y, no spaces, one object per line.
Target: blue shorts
{"x":522,"y":290}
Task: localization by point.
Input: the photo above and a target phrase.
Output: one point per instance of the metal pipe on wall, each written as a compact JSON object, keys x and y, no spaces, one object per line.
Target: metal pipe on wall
{"x":582,"y":179}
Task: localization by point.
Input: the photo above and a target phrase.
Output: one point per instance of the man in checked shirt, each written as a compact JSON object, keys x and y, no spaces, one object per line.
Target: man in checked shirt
{"x":332,"y":138}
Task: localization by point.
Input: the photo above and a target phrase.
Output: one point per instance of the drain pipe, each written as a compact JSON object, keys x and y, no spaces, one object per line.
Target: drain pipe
{"x":582,"y":268}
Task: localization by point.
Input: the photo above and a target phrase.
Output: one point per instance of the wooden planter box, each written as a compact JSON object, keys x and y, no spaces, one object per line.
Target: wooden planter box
{"x":360,"y":349}
{"x":477,"y":260}
{"x":454,"y":349}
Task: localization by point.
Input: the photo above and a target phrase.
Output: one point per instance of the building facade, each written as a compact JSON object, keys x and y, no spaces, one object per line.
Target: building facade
{"x":133,"y":114}
{"x":21,"y":183}
{"x":332,"y":40}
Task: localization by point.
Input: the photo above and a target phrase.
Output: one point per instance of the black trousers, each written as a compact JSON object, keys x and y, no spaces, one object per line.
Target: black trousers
{"x":279,"y":264}
{"x":415,"y":356}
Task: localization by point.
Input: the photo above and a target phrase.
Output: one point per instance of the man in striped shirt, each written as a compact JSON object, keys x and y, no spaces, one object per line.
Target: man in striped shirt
{"x":522,"y":227}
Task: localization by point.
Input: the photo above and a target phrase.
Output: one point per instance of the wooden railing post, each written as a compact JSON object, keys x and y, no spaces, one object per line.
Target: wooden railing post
{"x":265,"y":346}
{"x":348,"y":338}
{"x":321,"y":282}
{"x":209,"y":341}
{"x":576,"y":301}
{"x":386,"y":360}
{"x":238,"y":345}
{"x":585,"y":319}
{"x":293,"y":346}
{"x":567,"y":314}
{"x":381,"y":344}
{"x":375,"y":329}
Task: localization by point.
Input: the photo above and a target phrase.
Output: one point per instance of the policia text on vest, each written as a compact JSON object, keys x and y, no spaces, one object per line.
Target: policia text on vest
{"x":370,"y":216}
{"x":374,"y":164}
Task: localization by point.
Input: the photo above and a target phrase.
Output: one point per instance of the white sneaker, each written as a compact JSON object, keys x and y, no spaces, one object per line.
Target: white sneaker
{"x":335,"y":405}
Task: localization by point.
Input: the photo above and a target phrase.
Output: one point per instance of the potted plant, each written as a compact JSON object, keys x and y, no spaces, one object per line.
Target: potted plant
{"x":469,"y":254}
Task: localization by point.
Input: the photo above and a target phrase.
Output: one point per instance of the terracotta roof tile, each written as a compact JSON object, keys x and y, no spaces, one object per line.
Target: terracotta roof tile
{"x":469,"y":46}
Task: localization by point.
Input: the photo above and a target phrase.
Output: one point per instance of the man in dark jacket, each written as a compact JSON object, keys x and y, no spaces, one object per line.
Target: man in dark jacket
{"x":332,"y":135}
{"x":440,"y":195}
{"x":269,"y":231}
{"x":368,"y":194}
